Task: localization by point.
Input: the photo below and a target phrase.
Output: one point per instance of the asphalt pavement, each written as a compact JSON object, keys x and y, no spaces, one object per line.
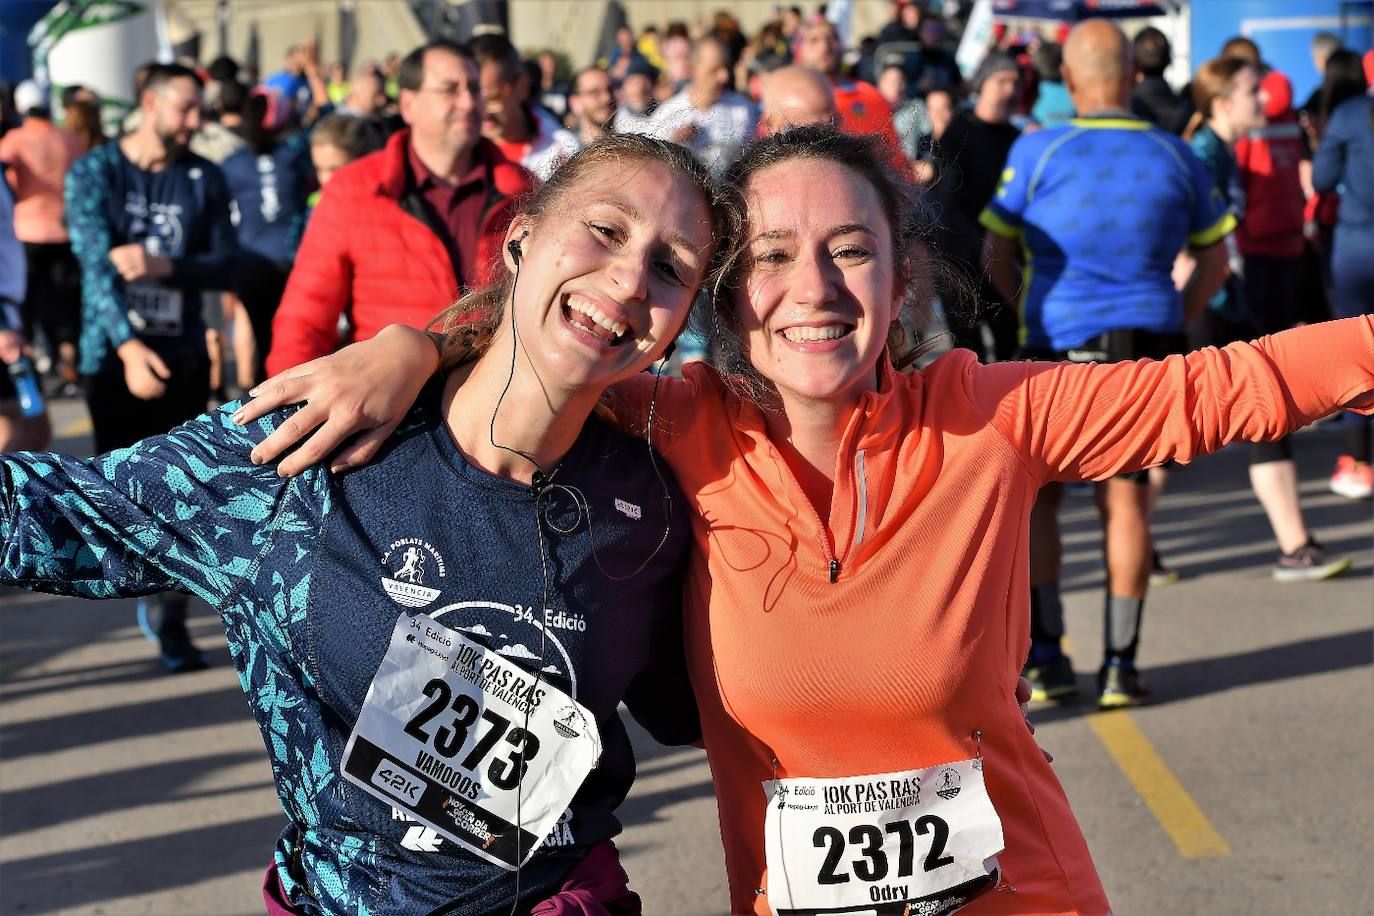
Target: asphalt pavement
{"x":1247,"y":787}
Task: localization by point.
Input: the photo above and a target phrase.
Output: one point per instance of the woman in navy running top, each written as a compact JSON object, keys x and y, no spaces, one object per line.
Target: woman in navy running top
{"x":436,"y":644}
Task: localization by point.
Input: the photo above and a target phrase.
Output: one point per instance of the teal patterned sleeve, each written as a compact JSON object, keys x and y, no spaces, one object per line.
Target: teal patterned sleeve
{"x":187,"y":510}
{"x":104,"y":313}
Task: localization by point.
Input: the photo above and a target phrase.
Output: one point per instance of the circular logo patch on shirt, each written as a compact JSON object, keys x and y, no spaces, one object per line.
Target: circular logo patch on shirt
{"x":412,"y":568}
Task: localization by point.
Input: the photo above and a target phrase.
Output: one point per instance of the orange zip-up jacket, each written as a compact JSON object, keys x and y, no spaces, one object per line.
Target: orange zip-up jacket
{"x":882,"y":641}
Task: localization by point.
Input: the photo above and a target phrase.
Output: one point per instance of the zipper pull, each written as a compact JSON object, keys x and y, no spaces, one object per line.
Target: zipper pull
{"x":834,"y":570}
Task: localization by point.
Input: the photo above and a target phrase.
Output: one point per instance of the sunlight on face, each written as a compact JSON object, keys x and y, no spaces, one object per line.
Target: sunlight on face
{"x":820,"y":285}
{"x":609,"y":274}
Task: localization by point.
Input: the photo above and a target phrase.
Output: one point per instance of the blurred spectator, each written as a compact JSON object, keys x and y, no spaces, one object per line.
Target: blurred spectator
{"x":553,"y":88}
{"x":768,"y":51}
{"x":79,"y":93}
{"x":223,"y":69}
{"x":38,"y":156}
{"x":1242,"y":48}
{"x":9,"y":118}
{"x":150,"y":226}
{"x":1230,"y":104}
{"x":937,"y":68}
{"x":83,"y":119}
{"x":861,"y":108}
{"x":969,"y":161}
{"x":623,"y":53}
{"x":17,"y":432}
{"x":908,"y":115}
{"x":1341,"y":81}
{"x":1153,"y":98}
{"x":337,"y":84}
{"x":1053,"y":106}
{"x":1323,"y":45}
{"x":677,"y":65}
{"x":905,"y":25}
{"x":635,"y":112}
{"x":796,"y":96}
{"x":939,"y":112}
{"x":213,"y":139}
{"x":725,"y":29}
{"x":426,"y":215}
{"x":649,"y":47}
{"x":789,"y":21}
{"x":1270,"y":236}
{"x":525,"y":133}
{"x":366,"y":96}
{"x":1344,"y":80}
{"x":707,"y":118}
{"x":291,"y":80}
{"x":391,"y":75}
{"x":592,"y":102}
{"x":1345,"y":160}
{"x":338,"y":140}
{"x":269,"y":181}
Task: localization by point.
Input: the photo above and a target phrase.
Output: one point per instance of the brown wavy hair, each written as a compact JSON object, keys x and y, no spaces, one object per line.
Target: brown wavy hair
{"x":910,"y":223}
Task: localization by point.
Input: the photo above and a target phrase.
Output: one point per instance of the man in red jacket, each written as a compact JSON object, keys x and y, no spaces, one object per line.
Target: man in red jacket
{"x":397,"y":234}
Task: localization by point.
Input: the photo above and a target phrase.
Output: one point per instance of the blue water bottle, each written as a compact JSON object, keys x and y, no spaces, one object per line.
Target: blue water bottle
{"x":26,"y":389}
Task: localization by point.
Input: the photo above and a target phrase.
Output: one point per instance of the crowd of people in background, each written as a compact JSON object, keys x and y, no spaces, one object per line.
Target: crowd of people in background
{"x":235,"y":226}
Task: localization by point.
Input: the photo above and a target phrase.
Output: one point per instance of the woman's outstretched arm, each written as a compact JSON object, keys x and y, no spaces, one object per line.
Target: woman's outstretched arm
{"x":353,"y":399}
{"x":186,"y":510}
{"x":1092,"y":422}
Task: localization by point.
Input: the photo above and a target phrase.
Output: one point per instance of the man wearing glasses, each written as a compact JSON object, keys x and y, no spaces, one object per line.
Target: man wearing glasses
{"x":426,"y":215}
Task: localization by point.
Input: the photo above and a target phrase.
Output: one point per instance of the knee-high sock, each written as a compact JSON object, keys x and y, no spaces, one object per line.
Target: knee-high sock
{"x":1121,"y":632}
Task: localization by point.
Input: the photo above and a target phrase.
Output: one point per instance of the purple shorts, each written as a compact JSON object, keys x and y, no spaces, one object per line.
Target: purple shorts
{"x":597,"y":886}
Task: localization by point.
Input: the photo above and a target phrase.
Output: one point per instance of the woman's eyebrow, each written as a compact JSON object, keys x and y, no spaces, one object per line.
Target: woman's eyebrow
{"x":774,"y":235}
{"x":846,"y":228}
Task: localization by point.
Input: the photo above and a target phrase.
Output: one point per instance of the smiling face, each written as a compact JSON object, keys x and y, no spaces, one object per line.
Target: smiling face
{"x":819,"y":289}
{"x":608,"y":274}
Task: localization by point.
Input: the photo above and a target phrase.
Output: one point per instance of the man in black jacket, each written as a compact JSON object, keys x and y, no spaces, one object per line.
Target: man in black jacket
{"x":1153,"y":98}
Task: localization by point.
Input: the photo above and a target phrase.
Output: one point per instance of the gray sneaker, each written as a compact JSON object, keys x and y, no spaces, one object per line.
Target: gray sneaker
{"x":1308,"y":564}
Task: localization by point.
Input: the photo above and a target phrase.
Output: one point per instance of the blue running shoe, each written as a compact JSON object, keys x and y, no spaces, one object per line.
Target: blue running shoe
{"x":149,"y":614}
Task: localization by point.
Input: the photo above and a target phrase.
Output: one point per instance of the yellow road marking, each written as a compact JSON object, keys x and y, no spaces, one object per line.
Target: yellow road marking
{"x":1171,"y":804}
{"x":78,"y":427}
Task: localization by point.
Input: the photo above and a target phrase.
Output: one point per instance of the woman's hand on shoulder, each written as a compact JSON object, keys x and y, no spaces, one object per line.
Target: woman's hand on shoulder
{"x":354,"y":399}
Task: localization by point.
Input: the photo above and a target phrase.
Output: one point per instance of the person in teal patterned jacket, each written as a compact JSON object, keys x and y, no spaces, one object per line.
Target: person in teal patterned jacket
{"x":510,"y":538}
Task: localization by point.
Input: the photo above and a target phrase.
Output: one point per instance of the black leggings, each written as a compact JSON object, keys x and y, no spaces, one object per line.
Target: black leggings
{"x":120,"y":419}
{"x":261,"y":285}
{"x":53,"y":302}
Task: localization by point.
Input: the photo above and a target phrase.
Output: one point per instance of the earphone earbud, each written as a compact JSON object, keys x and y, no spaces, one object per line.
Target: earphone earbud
{"x":668,"y":353}
{"x":513,"y":246}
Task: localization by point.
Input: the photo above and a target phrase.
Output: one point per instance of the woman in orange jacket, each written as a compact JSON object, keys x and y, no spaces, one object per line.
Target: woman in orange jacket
{"x":857,"y":608}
